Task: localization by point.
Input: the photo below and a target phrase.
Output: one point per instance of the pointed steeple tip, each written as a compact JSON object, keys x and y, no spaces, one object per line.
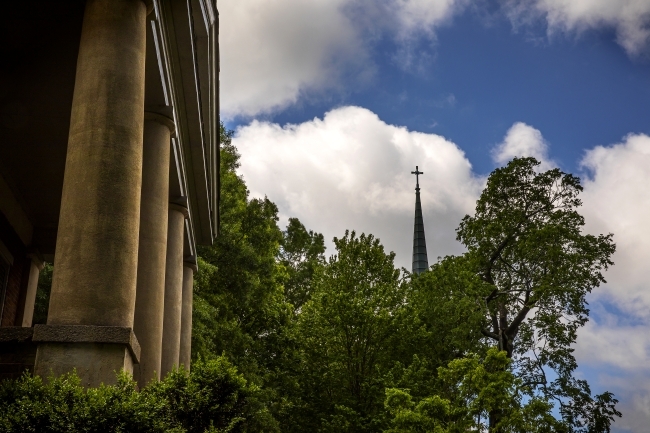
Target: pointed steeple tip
{"x":420,"y":260}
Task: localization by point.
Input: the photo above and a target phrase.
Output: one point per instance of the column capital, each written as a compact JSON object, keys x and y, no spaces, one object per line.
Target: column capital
{"x":162,"y":119}
{"x":149,"y":5}
{"x":178,"y":208}
{"x":190,"y":262}
{"x":37,"y":258}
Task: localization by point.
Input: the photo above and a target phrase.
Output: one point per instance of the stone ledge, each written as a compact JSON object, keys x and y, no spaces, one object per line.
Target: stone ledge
{"x":15,"y":334}
{"x":88,"y":334}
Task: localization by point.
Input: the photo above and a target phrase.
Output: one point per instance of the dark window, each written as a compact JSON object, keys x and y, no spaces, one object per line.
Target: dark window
{"x":4,"y":276}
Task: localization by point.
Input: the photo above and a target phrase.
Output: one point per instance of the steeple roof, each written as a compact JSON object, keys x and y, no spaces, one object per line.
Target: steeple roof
{"x":420,"y":260}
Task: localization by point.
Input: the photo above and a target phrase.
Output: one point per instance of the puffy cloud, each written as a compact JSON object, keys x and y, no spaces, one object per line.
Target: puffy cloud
{"x":616,"y":342}
{"x":617,"y":200}
{"x":523,"y":140}
{"x":629,"y":18}
{"x":273,"y":52}
{"x":350,"y":170}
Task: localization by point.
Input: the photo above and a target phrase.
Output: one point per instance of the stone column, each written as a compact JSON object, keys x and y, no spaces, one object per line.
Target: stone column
{"x":173,"y":289}
{"x":189,"y":267}
{"x":35,"y":268}
{"x":154,"y":208}
{"x":92,"y":302}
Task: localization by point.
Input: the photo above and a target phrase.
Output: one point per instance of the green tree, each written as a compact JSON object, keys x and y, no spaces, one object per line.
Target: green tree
{"x":240,"y":306}
{"x":240,"y":309}
{"x":471,"y":388}
{"x":444,"y":323}
{"x":302,"y":253}
{"x":525,"y":243}
{"x":42,"y":301}
{"x":345,"y":332}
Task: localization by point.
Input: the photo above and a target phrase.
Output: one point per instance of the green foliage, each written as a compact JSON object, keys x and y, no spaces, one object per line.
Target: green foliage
{"x":42,"y":301}
{"x":471,"y":389}
{"x":302,"y":255}
{"x":212,"y":398}
{"x":241,"y":308}
{"x":525,"y":243}
{"x":345,"y":332}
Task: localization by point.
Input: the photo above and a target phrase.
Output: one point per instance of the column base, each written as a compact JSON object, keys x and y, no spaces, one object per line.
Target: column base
{"x":97,"y":353}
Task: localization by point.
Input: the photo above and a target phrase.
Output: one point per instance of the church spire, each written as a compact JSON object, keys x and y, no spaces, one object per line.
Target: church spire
{"x":420,"y":261}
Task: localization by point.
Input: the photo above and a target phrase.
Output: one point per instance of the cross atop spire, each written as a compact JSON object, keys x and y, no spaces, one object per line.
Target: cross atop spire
{"x":417,"y":174}
{"x":420,"y":260}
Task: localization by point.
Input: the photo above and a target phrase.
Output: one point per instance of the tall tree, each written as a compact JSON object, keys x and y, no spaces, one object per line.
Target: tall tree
{"x":241,"y":308}
{"x":302,"y":253}
{"x":345,"y":332}
{"x":526,"y":243}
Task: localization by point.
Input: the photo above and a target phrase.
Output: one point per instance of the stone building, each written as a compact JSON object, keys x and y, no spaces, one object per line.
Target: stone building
{"x":109,"y":120}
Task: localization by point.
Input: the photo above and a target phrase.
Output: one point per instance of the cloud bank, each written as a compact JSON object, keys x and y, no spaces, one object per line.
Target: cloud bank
{"x":273,"y":52}
{"x":351,"y":170}
{"x":630,"y":19}
{"x":617,"y":339}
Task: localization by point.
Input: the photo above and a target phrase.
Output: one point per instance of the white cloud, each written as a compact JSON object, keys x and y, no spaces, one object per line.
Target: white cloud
{"x":272,"y":52}
{"x":523,"y":140}
{"x":414,"y":16}
{"x":350,"y":170}
{"x":617,"y":200}
{"x":629,"y":18}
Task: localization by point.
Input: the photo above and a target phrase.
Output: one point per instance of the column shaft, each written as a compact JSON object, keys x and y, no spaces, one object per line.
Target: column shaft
{"x":95,"y":268}
{"x":186,"y":316}
{"x":173,"y":290}
{"x":32,"y":286}
{"x":154,"y":208}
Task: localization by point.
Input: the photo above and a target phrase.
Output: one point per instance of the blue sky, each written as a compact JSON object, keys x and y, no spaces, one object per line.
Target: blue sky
{"x":478,"y":76}
{"x":335,"y":101}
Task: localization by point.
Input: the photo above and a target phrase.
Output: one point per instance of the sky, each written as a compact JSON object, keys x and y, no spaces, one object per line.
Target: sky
{"x":334,"y":103}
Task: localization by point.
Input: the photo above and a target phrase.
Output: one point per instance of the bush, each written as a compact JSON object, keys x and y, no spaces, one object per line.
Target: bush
{"x":212,"y":398}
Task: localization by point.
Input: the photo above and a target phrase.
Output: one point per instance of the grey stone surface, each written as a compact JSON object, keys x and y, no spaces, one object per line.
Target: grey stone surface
{"x":88,"y":334}
{"x":173,"y":290}
{"x":95,"y":269}
{"x":185,"y":354}
{"x":94,"y":281}
{"x":95,"y":363}
{"x":150,"y":294}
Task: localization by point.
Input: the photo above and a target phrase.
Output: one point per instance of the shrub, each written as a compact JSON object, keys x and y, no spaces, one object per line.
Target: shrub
{"x":212,"y":398}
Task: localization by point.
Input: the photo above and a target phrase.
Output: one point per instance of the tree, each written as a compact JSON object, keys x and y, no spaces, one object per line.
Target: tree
{"x":240,"y":306}
{"x":471,"y":387}
{"x":301,"y":253}
{"x":525,"y":243}
{"x":345,"y":332}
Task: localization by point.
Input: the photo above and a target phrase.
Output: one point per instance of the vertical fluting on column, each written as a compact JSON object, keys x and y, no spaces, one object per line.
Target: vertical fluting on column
{"x":154,"y":208}
{"x":173,"y":289}
{"x":95,"y":269}
{"x":189,"y":267}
